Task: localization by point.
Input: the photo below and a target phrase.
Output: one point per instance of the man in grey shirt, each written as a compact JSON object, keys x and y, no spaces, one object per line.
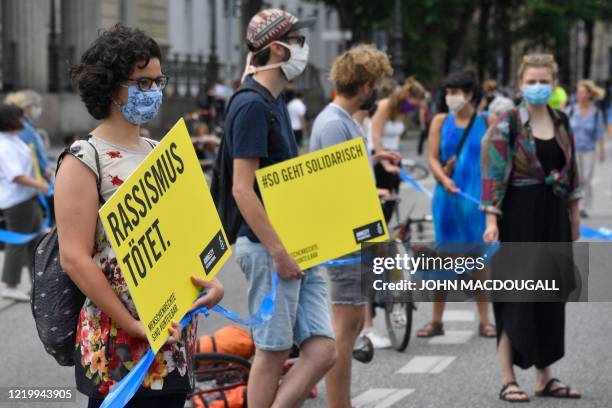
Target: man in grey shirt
{"x":356,"y":74}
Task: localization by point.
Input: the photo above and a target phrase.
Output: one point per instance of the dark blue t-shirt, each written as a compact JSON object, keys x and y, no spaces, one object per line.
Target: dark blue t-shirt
{"x":247,"y":131}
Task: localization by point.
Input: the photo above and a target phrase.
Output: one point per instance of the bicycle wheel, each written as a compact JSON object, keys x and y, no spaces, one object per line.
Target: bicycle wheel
{"x":398,"y":318}
{"x":418,"y":171}
{"x":219,"y":371}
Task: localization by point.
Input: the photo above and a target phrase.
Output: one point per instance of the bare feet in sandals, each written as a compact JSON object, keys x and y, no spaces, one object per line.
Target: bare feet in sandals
{"x":511,"y":392}
{"x":556,"y":389}
{"x":431,"y":329}
{"x":486,"y":330}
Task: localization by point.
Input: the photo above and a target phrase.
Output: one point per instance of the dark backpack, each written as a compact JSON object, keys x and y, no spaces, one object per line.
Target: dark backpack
{"x":56,"y":301}
{"x":221,"y":183}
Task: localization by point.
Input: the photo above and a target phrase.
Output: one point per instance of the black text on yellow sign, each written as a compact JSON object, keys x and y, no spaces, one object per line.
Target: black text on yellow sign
{"x":323,"y":204}
{"x":164,"y":228}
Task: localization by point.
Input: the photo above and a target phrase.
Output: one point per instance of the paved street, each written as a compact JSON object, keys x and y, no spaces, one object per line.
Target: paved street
{"x":457,"y":370}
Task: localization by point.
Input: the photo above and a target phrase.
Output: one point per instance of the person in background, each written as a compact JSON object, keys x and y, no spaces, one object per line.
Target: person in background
{"x":558,"y":100}
{"x":206,"y":145}
{"x":500,"y":105}
{"x":18,"y":199}
{"x":426,"y":114}
{"x":490,"y":92}
{"x":388,"y":126}
{"x":297,"y":114}
{"x":524,"y":205}
{"x":588,"y":124}
{"x":31,"y":103}
{"x":356,"y":74}
{"x":457,"y":220}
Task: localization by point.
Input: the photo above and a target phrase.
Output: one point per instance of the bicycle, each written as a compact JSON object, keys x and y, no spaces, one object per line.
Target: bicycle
{"x":218,"y":375}
{"x":398,"y":306}
{"x":415,"y":170}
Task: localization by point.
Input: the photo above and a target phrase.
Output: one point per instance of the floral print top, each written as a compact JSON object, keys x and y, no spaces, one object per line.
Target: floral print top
{"x":104,"y":351}
{"x":518,"y":165}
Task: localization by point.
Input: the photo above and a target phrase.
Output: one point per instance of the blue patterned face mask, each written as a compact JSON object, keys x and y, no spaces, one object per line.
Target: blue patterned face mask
{"x":537,"y":94}
{"x":141,"y":106}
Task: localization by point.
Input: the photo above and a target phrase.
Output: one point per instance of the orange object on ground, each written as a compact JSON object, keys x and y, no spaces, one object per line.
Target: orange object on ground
{"x":231,"y":340}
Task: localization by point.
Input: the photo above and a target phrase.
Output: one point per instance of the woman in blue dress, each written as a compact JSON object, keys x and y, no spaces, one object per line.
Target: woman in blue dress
{"x":457,"y":220}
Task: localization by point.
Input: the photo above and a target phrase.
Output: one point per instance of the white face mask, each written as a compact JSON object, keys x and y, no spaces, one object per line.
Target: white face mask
{"x":296,"y":64}
{"x":35,"y":112}
{"x":292,"y":68}
{"x":455,"y":102}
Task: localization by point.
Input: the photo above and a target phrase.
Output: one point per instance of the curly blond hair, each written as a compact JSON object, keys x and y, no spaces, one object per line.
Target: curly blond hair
{"x":360,"y":65}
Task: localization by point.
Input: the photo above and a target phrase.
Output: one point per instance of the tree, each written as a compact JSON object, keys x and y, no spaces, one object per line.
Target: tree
{"x":361,"y":17}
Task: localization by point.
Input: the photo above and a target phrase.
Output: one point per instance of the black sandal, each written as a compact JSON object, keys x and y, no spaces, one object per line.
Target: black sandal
{"x":504,"y":393}
{"x":564,"y":391}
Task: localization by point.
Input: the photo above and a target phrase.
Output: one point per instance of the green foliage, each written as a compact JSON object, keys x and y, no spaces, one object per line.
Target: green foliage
{"x":439,"y":35}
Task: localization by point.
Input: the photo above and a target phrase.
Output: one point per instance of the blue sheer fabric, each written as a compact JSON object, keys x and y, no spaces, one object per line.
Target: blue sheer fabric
{"x":456,"y":219}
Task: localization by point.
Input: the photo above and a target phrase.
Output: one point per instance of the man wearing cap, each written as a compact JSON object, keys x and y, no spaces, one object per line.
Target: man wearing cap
{"x":259,"y":134}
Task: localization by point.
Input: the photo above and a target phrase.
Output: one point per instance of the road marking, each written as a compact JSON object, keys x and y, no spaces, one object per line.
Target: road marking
{"x":380,"y":397}
{"x":459,"y":316}
{"x":427,"y":364}
{"x":453,"y":337}
{"x":393,"y":398}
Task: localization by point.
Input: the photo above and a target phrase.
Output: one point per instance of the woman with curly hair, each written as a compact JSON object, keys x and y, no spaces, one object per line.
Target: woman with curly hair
{"x":120,"y":81}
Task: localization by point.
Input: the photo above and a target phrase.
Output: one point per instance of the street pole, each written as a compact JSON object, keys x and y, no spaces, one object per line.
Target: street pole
{"x":398,"y":61}
{"x":213,"y":61}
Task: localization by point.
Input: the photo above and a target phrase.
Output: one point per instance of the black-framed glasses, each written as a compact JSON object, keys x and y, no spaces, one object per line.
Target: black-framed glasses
{"x":146,"y":83}
{"x":301,"y":39}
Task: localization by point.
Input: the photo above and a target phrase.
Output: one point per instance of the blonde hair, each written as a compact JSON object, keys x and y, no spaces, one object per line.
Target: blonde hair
{"x":411,"y":89}
{"x":489,"y":85}
{"x":360,"y":65}
{"x":596,"y":92}
{"x":537,"y":61}
{"x":24,"y":98}
{"x":387,"y":87}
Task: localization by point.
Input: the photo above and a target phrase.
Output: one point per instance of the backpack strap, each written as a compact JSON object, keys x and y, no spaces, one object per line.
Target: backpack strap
{"x":261,"y":91}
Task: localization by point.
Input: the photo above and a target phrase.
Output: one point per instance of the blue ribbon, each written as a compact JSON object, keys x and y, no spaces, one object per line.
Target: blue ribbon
{"x":591,"y":233}
{"x":16,"y":238}
{"x":342,"y":262}
{"x":125,"y":389}
{"x":406,"y":178}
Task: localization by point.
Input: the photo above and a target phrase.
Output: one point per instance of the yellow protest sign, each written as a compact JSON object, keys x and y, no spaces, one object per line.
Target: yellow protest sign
{"x":164,"y":228}
{"x":323,"y":204}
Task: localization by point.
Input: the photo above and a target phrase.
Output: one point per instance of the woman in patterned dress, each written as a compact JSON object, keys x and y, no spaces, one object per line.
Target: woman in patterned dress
{"x":120,"y":81}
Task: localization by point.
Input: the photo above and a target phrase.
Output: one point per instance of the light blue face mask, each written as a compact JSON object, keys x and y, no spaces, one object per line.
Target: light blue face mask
{"x":537,"y":94}
{"x":141,"y":106}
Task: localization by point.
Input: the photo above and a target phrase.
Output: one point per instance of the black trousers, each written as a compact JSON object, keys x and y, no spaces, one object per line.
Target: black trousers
{"x":26,"y":218}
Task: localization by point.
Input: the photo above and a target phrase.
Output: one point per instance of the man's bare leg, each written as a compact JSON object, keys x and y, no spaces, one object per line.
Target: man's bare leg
{"x":317,"y":356}
{"x":347,"y":321}
{"x":265,"y":374}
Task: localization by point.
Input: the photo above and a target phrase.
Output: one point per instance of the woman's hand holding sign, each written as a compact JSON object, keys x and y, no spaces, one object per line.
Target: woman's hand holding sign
{"x":214,"y":292}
